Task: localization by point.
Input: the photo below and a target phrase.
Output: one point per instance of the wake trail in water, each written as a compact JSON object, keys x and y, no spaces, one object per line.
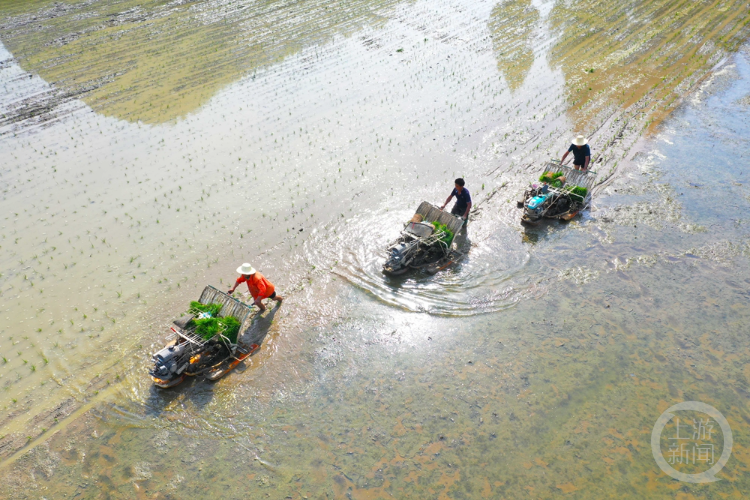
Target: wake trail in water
{"x":493,"y":276}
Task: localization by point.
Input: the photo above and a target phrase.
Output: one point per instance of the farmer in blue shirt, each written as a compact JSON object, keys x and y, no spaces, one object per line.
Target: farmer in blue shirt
{"x":463,"y":200}
{"x":581,"y":153}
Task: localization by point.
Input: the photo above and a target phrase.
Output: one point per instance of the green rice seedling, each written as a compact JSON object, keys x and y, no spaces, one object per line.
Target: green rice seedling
{"x":552,"y":179}
{"x":208,"y":328}
{"x":578,"y":192}
{"x":197,"y":308}
{"x":231,"y":326}
{"x":550,"y":176}
{"x":447,"y":236}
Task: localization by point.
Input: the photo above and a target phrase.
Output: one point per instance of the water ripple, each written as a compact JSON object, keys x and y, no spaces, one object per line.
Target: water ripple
{"x":490,"y":278}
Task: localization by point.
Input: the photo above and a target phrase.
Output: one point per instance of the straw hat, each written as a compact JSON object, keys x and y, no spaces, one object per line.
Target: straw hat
{"x":580,"y":140}
{"x":246,"y":269}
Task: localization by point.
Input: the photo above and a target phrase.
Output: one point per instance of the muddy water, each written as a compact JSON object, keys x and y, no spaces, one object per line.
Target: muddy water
{"x":535,"y":368}
{"x":158,"y":60}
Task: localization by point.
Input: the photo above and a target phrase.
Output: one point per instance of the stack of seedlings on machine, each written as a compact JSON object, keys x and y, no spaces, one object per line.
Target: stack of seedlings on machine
{"x":577,"y":193}
{"x":206,"y":338}
{"x":446,"y":236}
{"x":564,"y":192}
{"x":219,"y":332}
{"x":208,"y":324}
{"x":557,"y":180}
{"x":554,"y":179}
{"x":425,"y":243}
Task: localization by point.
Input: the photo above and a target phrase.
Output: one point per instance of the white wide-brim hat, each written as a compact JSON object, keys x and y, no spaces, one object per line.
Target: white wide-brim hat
{"x":246,"y":269}
{"x":580,"y":140}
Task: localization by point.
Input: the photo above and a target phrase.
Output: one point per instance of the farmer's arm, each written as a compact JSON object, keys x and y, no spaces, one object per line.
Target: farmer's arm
{"x":447,"y":201}
{"x":468,"y":208}
{"x":586,"y":163}
{"x":231,"y":290}
{"x":564,"y":156}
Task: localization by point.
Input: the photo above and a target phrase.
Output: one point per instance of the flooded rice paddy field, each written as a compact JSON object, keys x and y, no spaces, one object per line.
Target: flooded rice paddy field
{"x":149,"y":147}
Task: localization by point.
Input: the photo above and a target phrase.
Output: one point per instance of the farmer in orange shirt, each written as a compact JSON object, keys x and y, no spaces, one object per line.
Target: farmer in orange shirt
{"x":260,"y":288}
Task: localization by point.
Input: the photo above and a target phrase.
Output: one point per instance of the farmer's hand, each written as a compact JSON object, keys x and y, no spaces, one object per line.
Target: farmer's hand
{"x":442,"y":208}
{"x":230,"y":291}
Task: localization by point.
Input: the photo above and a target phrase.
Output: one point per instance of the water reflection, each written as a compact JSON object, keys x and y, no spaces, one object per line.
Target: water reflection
{"x":351,"y":396}
{"x":160,"y":60}
{"x":512,"y":24}
{"x":645,"y":52}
